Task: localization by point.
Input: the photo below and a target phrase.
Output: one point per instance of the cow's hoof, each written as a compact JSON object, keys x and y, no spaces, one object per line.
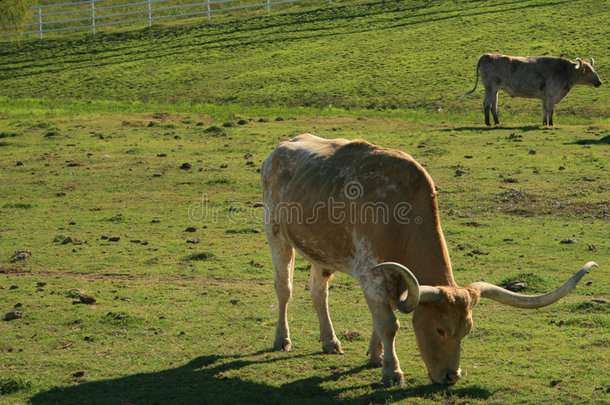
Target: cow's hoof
{"x":393,"y":378}
{"x":332,"y":347}
{"x":282,"y":345}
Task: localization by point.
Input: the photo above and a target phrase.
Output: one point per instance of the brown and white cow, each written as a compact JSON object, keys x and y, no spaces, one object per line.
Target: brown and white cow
{"x":372,"y":213}
{"x":548,"y":78}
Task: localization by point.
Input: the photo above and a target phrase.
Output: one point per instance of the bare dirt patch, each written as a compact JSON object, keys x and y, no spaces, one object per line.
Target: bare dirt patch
{"x":525,"y":204}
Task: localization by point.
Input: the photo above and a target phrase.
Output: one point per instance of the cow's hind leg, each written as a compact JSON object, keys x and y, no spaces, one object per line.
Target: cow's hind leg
{"x":494,"y":108}
{"x":318,"y":288}
{"x":283,"y":262}
{"x":490,"y":104}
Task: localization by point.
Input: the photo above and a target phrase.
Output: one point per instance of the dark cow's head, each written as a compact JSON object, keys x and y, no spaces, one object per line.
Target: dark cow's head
{"x":586,"y":73}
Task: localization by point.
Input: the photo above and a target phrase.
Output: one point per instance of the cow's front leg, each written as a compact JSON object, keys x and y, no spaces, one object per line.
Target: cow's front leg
{"x":385,"y":326}
{"x":318,"y":288}
{"x":544,"y":114}
{"x":375,"y":350}
{"x":549,"y":108}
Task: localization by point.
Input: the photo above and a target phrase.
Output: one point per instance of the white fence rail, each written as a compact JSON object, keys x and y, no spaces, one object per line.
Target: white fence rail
{"x":87,"y":14}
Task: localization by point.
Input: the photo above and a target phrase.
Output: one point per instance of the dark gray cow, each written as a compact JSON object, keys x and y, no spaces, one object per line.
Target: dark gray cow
{"x":548,"y":78}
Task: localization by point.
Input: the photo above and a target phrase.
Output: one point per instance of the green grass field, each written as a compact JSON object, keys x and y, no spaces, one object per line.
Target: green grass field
{"x":95,"y":133}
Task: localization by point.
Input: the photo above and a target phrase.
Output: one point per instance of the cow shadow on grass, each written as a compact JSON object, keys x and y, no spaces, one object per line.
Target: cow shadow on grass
{"x":602,"y":141}
{"x":523,"y":128}
{"x":206,"y":380}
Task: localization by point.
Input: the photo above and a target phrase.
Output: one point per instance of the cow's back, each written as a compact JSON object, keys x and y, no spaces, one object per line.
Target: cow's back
{"x":323,"y":194}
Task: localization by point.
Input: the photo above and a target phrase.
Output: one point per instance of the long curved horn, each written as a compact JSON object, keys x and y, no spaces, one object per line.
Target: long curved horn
{"x":579,"y":64}
{"x":592,"y":62}
{"x":415,"y":294}
{"x":409,"y":303}
{"x":506,"y":297}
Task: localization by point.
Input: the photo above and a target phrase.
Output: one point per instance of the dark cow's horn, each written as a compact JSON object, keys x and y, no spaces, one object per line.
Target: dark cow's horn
{"x":579,"y":64}
{"x":409,"y":303}
{"x":506,"y":297}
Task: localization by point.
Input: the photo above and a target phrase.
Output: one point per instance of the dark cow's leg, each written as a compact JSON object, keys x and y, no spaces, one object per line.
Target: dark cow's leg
{"x":549,"y":107}
{"x":494,"y":108}
{"x":490,"y":105}
{"x":486,"y":108}
{"x":544,"y":114}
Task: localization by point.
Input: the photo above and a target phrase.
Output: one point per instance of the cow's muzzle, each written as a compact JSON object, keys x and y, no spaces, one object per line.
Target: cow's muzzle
{"x":598,"y":84}
{"x":447,"y":376}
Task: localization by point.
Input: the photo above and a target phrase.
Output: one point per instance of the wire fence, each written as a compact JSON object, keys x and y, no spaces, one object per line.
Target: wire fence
{"x":93,"y":14}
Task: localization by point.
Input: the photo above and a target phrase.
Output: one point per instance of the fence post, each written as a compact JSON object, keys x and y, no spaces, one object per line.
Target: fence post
{"x":207,"y":3}
{"x":40,"y":22}
{"x":149,"y":15}
{"x":268,"y":10}
{"x":93,"y":16}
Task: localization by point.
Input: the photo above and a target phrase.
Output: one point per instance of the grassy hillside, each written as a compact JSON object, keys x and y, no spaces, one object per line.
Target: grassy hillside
{"x":381,"y":54}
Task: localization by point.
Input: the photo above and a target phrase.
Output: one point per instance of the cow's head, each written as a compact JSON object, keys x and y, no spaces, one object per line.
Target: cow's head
{"x":439,"y":328}
{"x":442,"y":316}
{"x":586,"y":73}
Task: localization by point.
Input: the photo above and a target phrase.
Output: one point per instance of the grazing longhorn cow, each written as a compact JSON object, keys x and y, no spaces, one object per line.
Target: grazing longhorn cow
{"x":372,"y":213}
{"x":548,"y":78}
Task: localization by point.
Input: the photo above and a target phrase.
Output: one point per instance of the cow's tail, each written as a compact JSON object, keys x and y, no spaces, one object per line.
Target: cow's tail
{"x":475,"y":82}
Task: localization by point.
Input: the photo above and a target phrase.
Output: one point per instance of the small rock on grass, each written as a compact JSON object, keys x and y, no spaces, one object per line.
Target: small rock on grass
{"x":568,"y":241}
{"x":599,"y":301}
{"x":71,"y":240}
{"x":21,"y":255}
{"x":516,"y":286}
{"x":13,"y":315}
{"x":87,"y":299}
